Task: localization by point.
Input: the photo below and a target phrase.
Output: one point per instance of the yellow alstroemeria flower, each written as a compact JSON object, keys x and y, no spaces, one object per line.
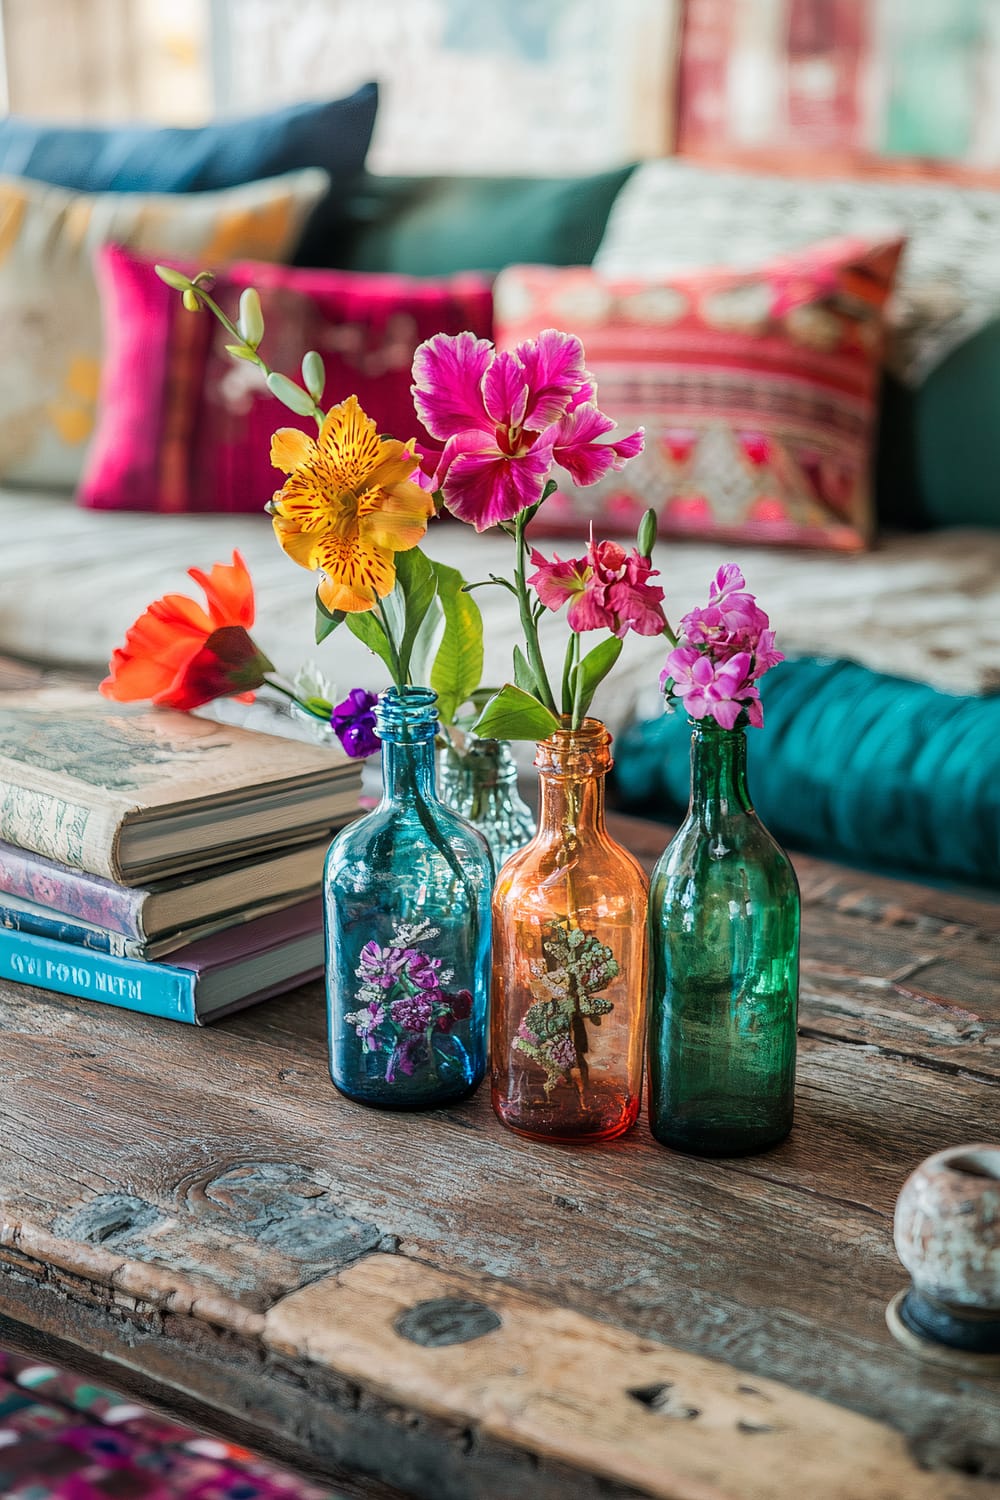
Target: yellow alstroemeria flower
{"x":348,"y":506}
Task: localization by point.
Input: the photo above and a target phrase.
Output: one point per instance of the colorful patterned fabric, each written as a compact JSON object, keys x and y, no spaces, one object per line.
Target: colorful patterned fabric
{"x":676,"y":216}
{"x":185,"y":428}
{"x":48,"y":300}
{"x":757,"y":391}
{"x":62,"y":1438}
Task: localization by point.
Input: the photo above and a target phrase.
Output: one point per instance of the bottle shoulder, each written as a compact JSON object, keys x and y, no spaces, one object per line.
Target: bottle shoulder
{"x":399,"y":832}
{"x":736,"y":848}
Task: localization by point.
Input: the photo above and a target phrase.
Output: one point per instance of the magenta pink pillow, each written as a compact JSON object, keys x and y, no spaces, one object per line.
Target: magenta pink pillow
{"x":184,"y":427}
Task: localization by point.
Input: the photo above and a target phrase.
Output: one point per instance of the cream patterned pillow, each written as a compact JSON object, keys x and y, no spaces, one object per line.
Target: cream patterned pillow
{"x":49,"y":309}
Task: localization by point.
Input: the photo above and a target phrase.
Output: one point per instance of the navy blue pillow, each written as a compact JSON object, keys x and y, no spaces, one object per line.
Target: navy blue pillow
{"x":203,"y":158}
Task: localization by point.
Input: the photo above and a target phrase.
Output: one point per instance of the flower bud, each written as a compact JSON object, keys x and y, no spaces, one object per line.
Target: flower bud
{"x":242,"y":351}
{"x":313,"y":374}
{"x":176,"y":279}
{"x":290,"y":394}
{"x":646,"y":538}
{"x":190,"y":299}
{"x":251,"y":320}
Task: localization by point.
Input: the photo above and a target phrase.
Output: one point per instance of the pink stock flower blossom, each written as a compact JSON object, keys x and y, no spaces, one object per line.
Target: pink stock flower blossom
{"x":505,"y":417}
{"x":725,"y":647}
{"x":707,"y":687}
{"x":732,"y":620}
{"x":609,"y":589}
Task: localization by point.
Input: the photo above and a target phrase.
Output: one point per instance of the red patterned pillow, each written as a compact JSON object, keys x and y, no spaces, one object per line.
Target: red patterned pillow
{"x":183,"y":427}
{"x":758,"y":391}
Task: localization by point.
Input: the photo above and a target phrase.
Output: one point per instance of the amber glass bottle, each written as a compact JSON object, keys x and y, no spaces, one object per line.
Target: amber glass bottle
{"x":569,"y":959}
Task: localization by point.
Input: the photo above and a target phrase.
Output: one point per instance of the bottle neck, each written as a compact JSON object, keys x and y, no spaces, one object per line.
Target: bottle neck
{"x":718,"y":772}
{"x":407,"y":724}
{"x":570,"y":804}
{"x":407,"y":770}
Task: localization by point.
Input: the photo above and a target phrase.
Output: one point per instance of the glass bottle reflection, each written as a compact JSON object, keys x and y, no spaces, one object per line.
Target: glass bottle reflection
{"x":724,"y":958}
{"x":569,"y":972}
{"x":407,"y":905}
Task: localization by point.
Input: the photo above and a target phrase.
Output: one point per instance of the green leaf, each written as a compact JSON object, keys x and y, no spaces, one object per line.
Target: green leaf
{"x":176,"y":279}
{"x":320,"y":707}
{"x":515,"y":715}
{"x":523,"y":675}
{"x":327,"y":620}
{"x":242,"y":351}
{"x":458,"y":665}
{"x":290,"y":394}
{"x":589,"y":673}
{"x":416,"y":582}
{"x":369,"y":631}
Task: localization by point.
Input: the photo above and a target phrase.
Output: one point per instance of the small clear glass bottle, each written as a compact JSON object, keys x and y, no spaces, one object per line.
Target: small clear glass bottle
{"x":407,"y":911}
{"x":479,"y":781}
{"x":724,"y":959}
{"x":569,"y":963}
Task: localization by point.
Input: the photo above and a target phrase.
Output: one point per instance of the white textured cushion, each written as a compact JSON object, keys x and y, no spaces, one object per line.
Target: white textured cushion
{"x":925,"y":607}
{"x":673,"y":215}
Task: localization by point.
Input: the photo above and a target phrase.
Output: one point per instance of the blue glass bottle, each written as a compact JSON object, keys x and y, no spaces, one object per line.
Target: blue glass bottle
{"x":407,"y":907}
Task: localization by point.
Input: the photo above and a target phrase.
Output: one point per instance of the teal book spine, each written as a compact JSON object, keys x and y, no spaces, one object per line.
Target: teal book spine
{"x":151,"y":988}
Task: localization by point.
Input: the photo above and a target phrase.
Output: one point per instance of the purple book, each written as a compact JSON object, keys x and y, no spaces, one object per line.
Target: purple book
{"x":147,"y":912}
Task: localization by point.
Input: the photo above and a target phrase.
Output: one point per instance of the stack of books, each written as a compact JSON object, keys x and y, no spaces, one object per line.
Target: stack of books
{"x":158,"y":860}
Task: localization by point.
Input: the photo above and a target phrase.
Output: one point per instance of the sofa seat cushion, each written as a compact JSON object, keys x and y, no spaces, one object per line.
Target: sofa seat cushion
{"x":73,"y":580}
{"x":850,"y":762}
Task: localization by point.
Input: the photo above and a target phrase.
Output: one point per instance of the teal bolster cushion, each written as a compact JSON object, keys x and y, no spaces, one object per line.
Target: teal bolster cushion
{"x":852,"y":764}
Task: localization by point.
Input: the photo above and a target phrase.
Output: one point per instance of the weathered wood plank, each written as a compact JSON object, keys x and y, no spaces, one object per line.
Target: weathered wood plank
{"x":782,"y":1264}
{"x":162,"y":1187}
{"x":562,"y":1386}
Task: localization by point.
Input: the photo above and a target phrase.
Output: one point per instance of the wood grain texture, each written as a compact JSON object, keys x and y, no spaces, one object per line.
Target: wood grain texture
{"x":162,"y":1187}
{"x":675,"y":1426}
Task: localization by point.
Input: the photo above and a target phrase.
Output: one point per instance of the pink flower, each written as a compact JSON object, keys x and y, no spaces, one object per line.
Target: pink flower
{"x":506,"y":417}
{"x":609,"y":589}
{"x":709,"y":688}
{"x":732,"y":620}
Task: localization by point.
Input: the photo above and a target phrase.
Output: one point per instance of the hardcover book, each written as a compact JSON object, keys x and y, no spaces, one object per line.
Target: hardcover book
{"x":135,"y":793}
{"x":231,"y":969}
{"x":146,"y":913}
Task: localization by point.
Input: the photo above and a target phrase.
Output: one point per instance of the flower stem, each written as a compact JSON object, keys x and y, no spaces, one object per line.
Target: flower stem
{"x":237,"y":337}
{"x":397,"y":667}
{"x":571,"y":659}
{"x":528,"y":624}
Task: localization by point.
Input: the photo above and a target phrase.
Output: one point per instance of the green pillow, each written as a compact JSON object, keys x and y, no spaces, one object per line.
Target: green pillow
{"x":435,"y":226}
{"x":850,"y":763}
{"x":957,"y":434}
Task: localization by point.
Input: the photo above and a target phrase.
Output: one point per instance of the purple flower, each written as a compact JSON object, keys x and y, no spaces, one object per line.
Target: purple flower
{"x":405,"y":1056}
{"x":725,"y":646}
{"x":382,"y":966}
{"x":368,"y":1020}
{"x":421,"y":969}
{"x":710,"y":688}
{"x":563,"y":1052}
{"x":353,"y":723}
{"x":413,"y":1012}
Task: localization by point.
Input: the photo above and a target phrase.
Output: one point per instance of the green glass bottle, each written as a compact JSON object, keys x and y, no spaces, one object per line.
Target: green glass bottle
{"x":724,"y":967}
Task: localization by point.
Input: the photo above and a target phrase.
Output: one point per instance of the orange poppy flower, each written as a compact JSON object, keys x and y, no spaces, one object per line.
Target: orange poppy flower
{"x":348,"y":506}
{"x":179,"y":655}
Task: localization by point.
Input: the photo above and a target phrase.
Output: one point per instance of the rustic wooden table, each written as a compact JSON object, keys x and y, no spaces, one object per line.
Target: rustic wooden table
{"x":431,"y":1306}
